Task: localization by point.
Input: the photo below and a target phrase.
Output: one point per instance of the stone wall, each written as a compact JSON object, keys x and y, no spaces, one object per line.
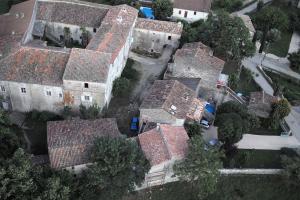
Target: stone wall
{"x":153,"y":41}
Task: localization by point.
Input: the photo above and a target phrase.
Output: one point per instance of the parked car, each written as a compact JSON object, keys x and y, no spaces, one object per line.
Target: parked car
{"x":134,"y":125}
{"x":204,"y":123}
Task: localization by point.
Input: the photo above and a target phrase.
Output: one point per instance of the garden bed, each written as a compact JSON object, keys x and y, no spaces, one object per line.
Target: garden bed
{"x":255,"y":159}
{"x":246,"y":83}
{"x":237,"y":187}
{"x":291,"y":89}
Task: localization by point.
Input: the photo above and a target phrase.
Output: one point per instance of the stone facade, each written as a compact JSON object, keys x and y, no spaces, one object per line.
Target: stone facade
{"x":189,"y":15}
{"x":154,"y":35}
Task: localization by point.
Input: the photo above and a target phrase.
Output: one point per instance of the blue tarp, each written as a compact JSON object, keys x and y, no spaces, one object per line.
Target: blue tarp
{"x":147,"y":12}
{"x":210,"y":108}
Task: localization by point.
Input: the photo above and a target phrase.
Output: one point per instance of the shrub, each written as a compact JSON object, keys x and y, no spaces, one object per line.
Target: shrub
{"x":129,"y":72}
{"x":91,"y":112}
{"x":121,"y":86}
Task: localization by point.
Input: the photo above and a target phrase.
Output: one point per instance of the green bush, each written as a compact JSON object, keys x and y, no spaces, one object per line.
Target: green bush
{"x":91,"y":112}
{"x":228,"y":5}
{"x":129,"y":72}
{"x":121,"y":86}
{"x":43,"y":116}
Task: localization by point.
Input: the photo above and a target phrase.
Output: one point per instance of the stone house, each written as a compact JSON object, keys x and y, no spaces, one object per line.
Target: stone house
{"x":85,"y":74}
{"x":70,"y":141}
{"x":196,"y":60}
{"x":153,"y":35}
{"x":170,"y":102}
{"x":191,"y":10}
{"x":162,"y":146}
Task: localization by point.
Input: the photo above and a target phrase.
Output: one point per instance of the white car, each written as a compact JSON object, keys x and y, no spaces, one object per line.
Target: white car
{"x":204,"y":123}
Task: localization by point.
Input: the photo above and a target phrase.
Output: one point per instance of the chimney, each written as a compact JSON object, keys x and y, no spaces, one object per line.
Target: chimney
{"x":158,"y":126}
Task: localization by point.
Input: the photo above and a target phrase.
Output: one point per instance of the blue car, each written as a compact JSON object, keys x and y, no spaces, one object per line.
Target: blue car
{"x":134,"y":125}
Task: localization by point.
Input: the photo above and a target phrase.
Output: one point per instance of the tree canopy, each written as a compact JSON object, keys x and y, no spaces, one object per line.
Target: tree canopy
{"x":233,"y":120}
{"x":200,"y":167}
{"x":162,"y":9}
{"x":119,"y":165}
{"x":269,"y":18}
{"x":20,"y":180}
{"x":294,"y":59}
{"x":193,"y":129}
{"x":228,"y":36}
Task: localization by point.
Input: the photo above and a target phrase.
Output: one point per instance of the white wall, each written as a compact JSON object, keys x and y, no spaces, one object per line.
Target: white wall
{"x":153,"y":40}
{"x":192,"y":16}
{"x":36,"y":96}
{"x":159,"y":116}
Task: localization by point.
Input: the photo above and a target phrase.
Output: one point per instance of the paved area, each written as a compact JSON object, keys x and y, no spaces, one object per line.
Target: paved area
{"x":250,"y":8}
{"x":295,"y":42}
{"x":150,"y":70}
{"x":267,"y":142}
{"x":250,"y":63}
{"x":210,"y":133}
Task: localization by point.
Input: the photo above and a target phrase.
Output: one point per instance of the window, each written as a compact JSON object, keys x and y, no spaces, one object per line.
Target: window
{"x":48,"y":93}
{"x":195,"y":13}
{"x":95,"y":30}
{"x":23,"y":90}
{"x":86,"y":85}
{"x":60,"y":95}
{"x":87,"y":98}
{"x":179,"y":12}
{"x":2,"y":88}
{"x":169,"y":37}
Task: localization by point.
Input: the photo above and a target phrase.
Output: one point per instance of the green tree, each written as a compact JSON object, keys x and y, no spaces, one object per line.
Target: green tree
{"x":9,"y":143}
{"x":280,"y":109}
{"x":233,"y":81}
{"x":91,"y":112}
{"x":119,"y":165}
{"x":162,"y":9}
{"x":228,"y":36}
{"x":233,"y":120}
{"x":4,"y":118}
{"x":228,"y":5}
{"x":193,"y":129}
{"x":200,"y":167}
{"x":16,"y":181}
{"x":260,"y":5}
{"x":269,"y":18}
{"x":67,"y":37}
{"x":121,"y":87}
{"x":294,"y":59}
{"x":55,"y":190}
{"x":84,"y":37}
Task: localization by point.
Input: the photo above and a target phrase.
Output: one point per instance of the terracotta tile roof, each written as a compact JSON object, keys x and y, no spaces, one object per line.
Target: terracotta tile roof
{"x":36,"y":66}
{"x":159,"y":26}
{"x":87,"y":65}
{"x":9,"y":44}
{"x":164,"y":143}
{"x":18,"y":18}
{"x":194,"y":5}
{"x":165,"y":94}
{"x":71,"y":12}
{"x":69,"y":141}
{"x":114,"y":30}
{"x":261,"y":103}
{"x":198,"y":57}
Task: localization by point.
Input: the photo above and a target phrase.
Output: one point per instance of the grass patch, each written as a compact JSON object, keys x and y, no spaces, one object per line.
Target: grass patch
{"x":281,"y":47}
{"x":239,"y":187}
{"x":266,"y":131}
{"x":256,"y":159}
{"x":246,"y":83}
{"x":291,"y":89}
